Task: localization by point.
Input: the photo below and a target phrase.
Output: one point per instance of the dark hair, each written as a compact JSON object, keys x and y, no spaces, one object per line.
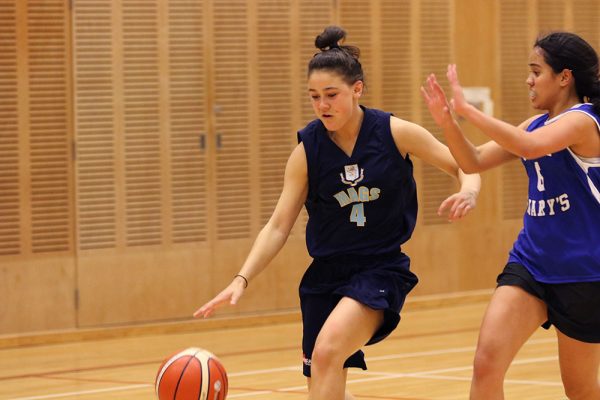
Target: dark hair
{"x":337,"y":58}
{"x":565,"y":50}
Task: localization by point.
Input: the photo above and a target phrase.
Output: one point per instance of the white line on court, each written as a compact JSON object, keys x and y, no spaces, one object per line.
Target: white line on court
{"x":371,"y":376}
{"x":79,"y":393}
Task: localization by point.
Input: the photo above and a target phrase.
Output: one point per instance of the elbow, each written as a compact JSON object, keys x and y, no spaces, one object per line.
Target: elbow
{"x":470,"y":169}
{"x":530,"y":153}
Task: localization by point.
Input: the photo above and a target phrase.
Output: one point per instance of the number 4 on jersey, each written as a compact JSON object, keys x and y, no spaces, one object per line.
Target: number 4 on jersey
{"x":358,"y":214}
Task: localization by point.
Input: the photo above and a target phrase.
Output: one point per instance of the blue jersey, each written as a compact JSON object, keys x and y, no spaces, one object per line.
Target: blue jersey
{"x":560,"y":239}
{"x":363,"y":204}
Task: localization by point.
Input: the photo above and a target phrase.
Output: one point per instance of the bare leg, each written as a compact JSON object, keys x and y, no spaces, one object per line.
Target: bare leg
{"x":579,"y":363}
{"x":510,"y":319}
{"x":348,"y":395}
{"x":348,"y":328}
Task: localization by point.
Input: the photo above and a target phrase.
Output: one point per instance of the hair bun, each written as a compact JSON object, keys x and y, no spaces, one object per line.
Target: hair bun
{"x":329,"y":38}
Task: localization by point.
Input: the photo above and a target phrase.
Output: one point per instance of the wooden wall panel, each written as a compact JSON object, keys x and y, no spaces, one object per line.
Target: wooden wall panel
{"x":96,"y":126}
{"x":398,"y":60}
{"x":180,"y":154}
{"x":586,"y":17}
{"x":140,"y":80}
{"x":232,"y":100}
{"x":514,"y":48}
{"x":49,"y":126}
{"x":311,"y":18}
{"x":10,"y":218}
{"x":141,"y":123}
{"x":36,"y":205}
{"x":551,"y":15}
{"x":187,"y":121}
{"x":355,"y":16}
{"x":275,"y":130}
{"x":436,"y":52}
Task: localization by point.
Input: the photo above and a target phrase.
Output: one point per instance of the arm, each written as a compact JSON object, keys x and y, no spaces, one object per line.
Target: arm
{"x":471,"y":158}
{"x":414,"y":139}
{"x":273,"y":235}
{"x":568,"y":131}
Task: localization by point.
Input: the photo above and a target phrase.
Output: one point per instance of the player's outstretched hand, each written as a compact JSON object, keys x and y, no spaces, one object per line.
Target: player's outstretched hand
{"x":436,"y":101}
{"x":458,"y":102}
{"x":231,"y":294}
{"x":457,"y":205}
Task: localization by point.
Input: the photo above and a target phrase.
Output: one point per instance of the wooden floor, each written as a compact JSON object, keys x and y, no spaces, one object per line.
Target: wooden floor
{"x":427,"y":358}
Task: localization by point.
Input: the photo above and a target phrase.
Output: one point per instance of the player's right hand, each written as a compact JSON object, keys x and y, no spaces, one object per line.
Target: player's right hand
{"x":230,"y":294}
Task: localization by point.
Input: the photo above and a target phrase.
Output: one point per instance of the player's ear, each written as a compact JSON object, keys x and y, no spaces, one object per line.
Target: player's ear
{"x":357,"y":88}
{"x":566,"y":77}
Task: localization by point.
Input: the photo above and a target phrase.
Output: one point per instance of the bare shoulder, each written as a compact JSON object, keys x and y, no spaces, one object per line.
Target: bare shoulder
{"x":404,"y":131}
{"x":297,"y":164}
{"x":400,"y":126}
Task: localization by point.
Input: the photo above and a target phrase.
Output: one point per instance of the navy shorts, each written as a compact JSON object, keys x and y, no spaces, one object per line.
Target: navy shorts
{"x":572,"y":307}
{"x":379,"y":282}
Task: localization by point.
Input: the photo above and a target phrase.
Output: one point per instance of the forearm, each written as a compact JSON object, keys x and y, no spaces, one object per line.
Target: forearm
{"x":463,"y":151}
{"x":506,"y":135}
{"x":266,"y":246}
{"x":469,"y":183}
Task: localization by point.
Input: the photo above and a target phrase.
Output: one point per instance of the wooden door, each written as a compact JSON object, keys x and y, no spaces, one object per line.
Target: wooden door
{"x":37,"y":262}
{"x":142,"y":176}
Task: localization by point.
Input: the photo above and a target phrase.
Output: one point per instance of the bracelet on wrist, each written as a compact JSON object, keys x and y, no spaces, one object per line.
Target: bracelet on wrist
{"x":244,"y":278}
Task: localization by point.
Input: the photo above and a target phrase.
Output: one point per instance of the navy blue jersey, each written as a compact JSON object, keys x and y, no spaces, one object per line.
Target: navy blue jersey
{"x":560,"y":239}
{"x":365,"y":204}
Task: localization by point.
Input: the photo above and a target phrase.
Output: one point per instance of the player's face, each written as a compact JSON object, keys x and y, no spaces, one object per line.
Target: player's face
{"x":332,"y":99}
{"x":543,"y":82}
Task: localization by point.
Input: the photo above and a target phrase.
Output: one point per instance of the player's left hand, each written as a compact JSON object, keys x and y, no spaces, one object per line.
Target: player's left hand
{"x":436,"y":101}
{"x":457,"y":205}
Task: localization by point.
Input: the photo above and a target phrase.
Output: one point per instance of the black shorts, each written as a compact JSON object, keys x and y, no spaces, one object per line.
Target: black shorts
{"x":573,"y":308}
{"x":379,"y":282}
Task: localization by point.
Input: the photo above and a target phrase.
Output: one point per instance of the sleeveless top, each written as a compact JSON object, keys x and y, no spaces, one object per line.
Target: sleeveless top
{"x":560,"y":239}
{"x":363,"y":204}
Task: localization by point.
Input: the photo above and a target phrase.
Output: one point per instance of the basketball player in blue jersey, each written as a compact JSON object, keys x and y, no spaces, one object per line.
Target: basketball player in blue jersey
{"x":553,"y":270}
{"x":352,"y":170}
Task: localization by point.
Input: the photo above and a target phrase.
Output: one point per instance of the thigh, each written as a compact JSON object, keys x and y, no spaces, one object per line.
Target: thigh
{"x":350,"y":326}
{"x":510,"y":319}
{"x":579,"y":361}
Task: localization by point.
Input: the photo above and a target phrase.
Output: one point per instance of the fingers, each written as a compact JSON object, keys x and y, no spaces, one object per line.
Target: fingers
{"x":203,"y":311}
{"x":456,"y":207}
{"x":207,"y":309}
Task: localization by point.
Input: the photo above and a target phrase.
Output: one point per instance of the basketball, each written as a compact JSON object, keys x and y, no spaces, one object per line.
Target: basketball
{"x":192,"y":373}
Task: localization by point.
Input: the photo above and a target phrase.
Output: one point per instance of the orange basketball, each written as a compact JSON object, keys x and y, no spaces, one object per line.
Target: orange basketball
{"x":191,"y":374}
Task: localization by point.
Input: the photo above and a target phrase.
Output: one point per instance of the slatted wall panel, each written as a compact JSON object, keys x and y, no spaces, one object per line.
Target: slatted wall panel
{"x":232,"y":105}
{"x":188,"y":130}
{"x":95,"y":127}
{"x":275,"y":134}
{"x":355,"y":18}
{"x":141,"y":122}
{"x":313,"y":17}
{"x":49,"y":120}
{"x":398,"y":60}
{"x":586,"y":18}
{"x":436,"y":52}
{"x":551,"y":15}
{"x":10,"y":219}
{"x":514,"y":52}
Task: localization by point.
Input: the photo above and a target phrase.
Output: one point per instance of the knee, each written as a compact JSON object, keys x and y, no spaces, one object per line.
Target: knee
{"x":326,"y":354}
{"x":486,"y":365}
{"x":578,"y":391}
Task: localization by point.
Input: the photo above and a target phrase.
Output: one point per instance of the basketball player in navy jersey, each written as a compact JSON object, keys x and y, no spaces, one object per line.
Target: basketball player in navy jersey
{"x":352,"y":170}
{"x":553,"y":270}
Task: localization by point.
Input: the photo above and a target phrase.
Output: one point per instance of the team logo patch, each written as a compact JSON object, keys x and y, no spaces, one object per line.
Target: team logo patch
{"x":352,"y":174}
